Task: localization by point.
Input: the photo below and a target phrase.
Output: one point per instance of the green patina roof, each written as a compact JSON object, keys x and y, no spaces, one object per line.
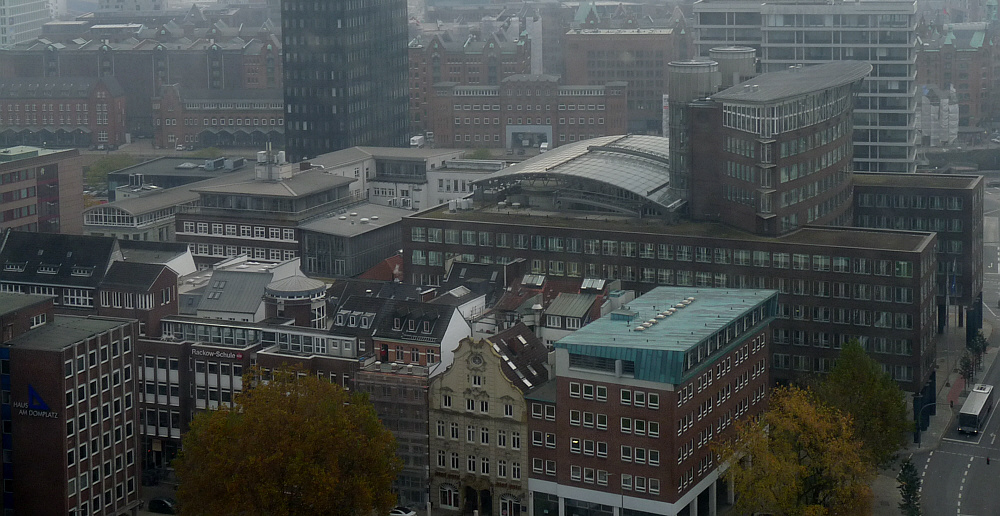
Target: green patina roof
{"x":659,"y":351}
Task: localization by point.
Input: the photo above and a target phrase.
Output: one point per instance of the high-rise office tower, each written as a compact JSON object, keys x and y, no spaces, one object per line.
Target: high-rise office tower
{"x":22,"y":20}
{"x":791,"y":32}
{"x":345,"y":75}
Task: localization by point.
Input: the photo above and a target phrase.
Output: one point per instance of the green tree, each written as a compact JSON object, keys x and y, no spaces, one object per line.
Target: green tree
{"x":96,"y":175}
{"x":858,"y":386}
{"x":977,"y":347}
{"x":290,"y":446}
{"x":479,"y":154}
{"x":967,"y":369}
{"x":208,"y":153}
{"x":909,"y":489}
{"x":800,"y":458}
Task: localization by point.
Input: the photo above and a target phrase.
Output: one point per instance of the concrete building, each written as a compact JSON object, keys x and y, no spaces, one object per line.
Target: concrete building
{"x":70,"y":413}
{"x":22,"y":21}
{"x":218,"y":118}
{"x":627,"y":402}
{"x":335,"y":97}
{"x":526,"y":111}
{"x":477,"y":461}
{"x":62,"y":111}
{"x":132,"y":5}
{"x":258,"y":216}
{"x":39,"y":185}
{"x":349,"y":243}
{"x":881,"y":32}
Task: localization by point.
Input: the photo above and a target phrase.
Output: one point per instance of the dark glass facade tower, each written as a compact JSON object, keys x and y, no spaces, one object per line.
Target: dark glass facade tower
{"x":345,"y":75}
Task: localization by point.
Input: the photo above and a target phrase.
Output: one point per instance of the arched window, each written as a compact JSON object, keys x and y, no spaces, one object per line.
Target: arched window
{"x":449,"y":496}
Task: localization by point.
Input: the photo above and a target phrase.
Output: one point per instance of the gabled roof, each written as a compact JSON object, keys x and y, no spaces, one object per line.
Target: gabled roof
{"x":387,"y":311}
{"x":49,"y":258}
{"x":145,"y":251}
{"x":132,"y":276}
{"x":523,"y":356}
{"x":234,"y":291}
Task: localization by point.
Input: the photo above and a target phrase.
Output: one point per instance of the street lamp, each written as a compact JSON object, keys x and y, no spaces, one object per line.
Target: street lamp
{"x":918,"y":419}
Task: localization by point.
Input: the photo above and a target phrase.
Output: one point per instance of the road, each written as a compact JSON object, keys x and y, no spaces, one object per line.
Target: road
{"x":956,"y":478}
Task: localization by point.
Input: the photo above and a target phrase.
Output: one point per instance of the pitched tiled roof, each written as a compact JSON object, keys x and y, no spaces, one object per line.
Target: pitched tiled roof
{"x":132,"y":276}
{"x":48,"y":258}
{"x":524,"y":357}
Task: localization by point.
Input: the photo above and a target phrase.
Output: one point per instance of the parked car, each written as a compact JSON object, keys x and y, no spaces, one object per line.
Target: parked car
{"x":162,"y":505}
{"x":402,"y":511}
{"x":179,"y":147}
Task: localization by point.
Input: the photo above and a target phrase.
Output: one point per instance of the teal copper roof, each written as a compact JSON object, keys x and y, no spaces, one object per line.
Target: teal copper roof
{"x":659,"y":349}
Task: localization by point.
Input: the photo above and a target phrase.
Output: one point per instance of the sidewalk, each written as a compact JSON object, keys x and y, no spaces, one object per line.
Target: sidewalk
{"x":950,"y":395}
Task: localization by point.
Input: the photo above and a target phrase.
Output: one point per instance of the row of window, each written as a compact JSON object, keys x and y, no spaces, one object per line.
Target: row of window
{"x":483,"y":405}
{"x":483,"y":434}
{"x":252,"y":122}
{"x":259,"y":253}
{"x":920,"y":202}
{"x":743,"y":257}
{"x":527,"y":107}
{"x":89,"y":359}
{"x":240,"y":230}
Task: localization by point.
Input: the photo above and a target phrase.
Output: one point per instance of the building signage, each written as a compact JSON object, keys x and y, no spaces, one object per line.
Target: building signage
{"x":217,"y":353}
{"x":35,"y":407}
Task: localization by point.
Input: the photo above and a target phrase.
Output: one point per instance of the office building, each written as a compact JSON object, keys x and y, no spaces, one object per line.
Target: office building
{"x":71,"y":440}
{"x":880,"y":32}
{"x":345,"y":75}
{"x":625,"y":230}
{"x":22,"y":21}
{"x":39,"y":185}
{"x":638,"y":397}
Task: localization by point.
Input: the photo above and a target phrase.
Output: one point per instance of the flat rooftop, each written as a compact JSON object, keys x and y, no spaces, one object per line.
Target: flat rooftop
{"x":793,"y":82}
{"x":12,"y":302}
{"x":357,"y":219}
{"x":710,"y":311}
{"x":63,"y":331}
{"x":181,"y":167}
{"x":877,"y":239}
{"x":942,"y":181}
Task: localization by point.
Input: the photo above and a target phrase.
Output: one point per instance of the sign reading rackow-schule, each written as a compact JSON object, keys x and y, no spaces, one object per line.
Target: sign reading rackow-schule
{"x":35,"y":407}
{"x":216,"y":353}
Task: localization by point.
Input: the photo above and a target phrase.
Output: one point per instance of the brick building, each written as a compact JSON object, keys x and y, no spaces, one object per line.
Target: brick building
{"x":39,"y":185}
{"x":199,"y":54}
{"x":218,"y":118}
{"x":71,"y":440}
{"x":961,"y":56}
{"x":639,"y":395}
{"x":638,"y":57}
{"x":62,"y":111}
{"x":468,"y":59}
{"x":525,"y":111}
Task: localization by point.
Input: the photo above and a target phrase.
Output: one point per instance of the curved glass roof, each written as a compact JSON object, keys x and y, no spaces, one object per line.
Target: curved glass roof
{"x":635,"y":163}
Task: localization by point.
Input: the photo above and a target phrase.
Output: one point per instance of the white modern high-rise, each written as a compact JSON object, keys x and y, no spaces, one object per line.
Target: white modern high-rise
{"x":22,"y":20}
{"x":791,"y":32}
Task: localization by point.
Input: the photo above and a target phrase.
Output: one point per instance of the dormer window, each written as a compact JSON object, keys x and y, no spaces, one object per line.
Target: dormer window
{"x":14,"y":267}
{"x":412,"y":326}
{"x":353,"y":321}
{"x":397,"y":324}
{"x":84,"y":272}
{"x":365,"y":322}
{"x":48,"y":269}
{"x":427,"y":327}
{"x":340,"y":319}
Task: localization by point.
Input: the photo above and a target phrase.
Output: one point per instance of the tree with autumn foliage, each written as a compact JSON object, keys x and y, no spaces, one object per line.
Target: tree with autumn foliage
{"x":799,"y":458}
{"x":858,"y":386}
{"x":291,"y":445}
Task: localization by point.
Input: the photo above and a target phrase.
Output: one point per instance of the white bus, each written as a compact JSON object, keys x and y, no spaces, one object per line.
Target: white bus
{"x":976,"y":409}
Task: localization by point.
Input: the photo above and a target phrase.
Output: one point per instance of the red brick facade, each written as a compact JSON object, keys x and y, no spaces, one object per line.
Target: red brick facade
{"x":525,"y":108}
{"x":75,"y":112}
{"x":218,"y":118}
